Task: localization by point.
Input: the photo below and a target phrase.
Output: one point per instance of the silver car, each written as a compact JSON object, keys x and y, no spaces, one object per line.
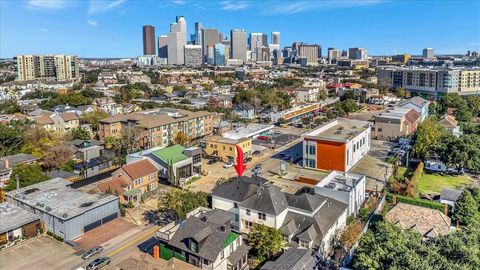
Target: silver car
{"x":92,"y":252}
{"x":98,"y":263}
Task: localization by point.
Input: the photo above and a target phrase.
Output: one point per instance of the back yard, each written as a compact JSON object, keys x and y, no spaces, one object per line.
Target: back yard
{"x":433,"y":183}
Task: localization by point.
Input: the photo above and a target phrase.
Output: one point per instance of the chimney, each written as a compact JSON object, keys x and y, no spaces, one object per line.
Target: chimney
{"x":6,"y":163}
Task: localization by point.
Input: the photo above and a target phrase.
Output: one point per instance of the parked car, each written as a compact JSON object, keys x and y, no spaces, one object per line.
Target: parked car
{"x":228,"y":165}
{"x":212,"y":161}
{"x":261,"y":137}
{"x":98,"y":263}
{"x":256,"y":153}
{"x":92,"y":252}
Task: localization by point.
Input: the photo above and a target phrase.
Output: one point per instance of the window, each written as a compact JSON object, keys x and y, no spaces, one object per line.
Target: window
{"x":312,"y":150}
{"x":236,"y":217}
{"x":303,"y":244}
{"x":235,"y":205}
{"x":205,"y":261}
{"x":231,"y":248}
{"x":193,"y":246}
{"x":248,"y":224}
{"x":262,"y":216}
{"x":311,"y":163}
{"x":248,"y":212}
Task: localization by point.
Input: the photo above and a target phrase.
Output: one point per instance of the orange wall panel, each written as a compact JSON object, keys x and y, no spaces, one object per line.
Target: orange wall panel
{"x":330,"y":156}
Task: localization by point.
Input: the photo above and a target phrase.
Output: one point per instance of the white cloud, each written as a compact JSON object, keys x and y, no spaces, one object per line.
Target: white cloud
{"x":179,"y":2}
{"x":99,"y":6}
{"x":283,"y":8}
{"x":92,"y":23}
{"x":46,"y":4}
{"x":234,"y":5}
{"x":41,"y":29}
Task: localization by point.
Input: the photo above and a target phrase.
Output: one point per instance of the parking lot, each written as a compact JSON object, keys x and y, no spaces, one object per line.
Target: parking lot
{"x":42,"y":253}
{"x":103,"y":233}
{"x":276,"y":141}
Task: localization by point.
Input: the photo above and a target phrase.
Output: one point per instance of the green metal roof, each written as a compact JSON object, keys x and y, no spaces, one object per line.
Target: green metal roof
{"x":171,"y":154}
{"x":230,"y":238}
{"x":133,"y":192}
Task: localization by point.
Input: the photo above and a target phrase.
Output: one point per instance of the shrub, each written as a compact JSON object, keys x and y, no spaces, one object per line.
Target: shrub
{"x":130,"y":204}
{"x":363,"y":213}
{"x":416,"y":179}
{"x":415,"y":201}
{"x":350,"y":220}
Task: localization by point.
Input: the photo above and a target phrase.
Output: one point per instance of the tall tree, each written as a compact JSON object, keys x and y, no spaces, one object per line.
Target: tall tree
{"x":80,"y":134}
{"x":181,"y":138}
{"x":265,"y":241}
{"x":182,"y":201}
{"x":57,"y":156}
{"x":27,"y":174}
{"x":429,"y":134}
{"x":467,"y":207}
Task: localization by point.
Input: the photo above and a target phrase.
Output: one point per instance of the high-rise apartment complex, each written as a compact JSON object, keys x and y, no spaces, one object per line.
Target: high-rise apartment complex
{"x":333,"y":55}
{"x":310,"y":52}
{"x":238,"y":44}
{"x":210,"y":37}
{"x":193,"y":55}
{"x":148,"y":40}
{"x":357,"y":54}
{"x":46,"y":67}
{"x":428,"y":53}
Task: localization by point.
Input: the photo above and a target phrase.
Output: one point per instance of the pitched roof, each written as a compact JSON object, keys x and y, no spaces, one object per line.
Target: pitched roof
{"x":424,"y":219}
{"x":450,"y":194}
{"x":268,"y":199}
{"x":213,"y":236}
{"x":292,"y":259}
{"x":448,"y":121}
{"x":69,"y":116}
{"x":305,"y":201}
{"x":172,"y":153}
{"x":44,"y":119}
{"x":139,"y":168}
{"x":417,"y":101}
{"x":239,"y":189}
{"x":116,"y":185}
{"x":412,"y":116}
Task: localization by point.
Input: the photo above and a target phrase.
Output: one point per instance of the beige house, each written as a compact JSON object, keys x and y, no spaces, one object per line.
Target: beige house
{"x":396,"y":123}
{"x":60,"y":123}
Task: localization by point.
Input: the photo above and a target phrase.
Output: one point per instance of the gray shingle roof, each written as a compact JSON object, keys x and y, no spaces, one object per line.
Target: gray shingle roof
{"x":417,"y":101}
{"x":305,"y":201}
{"x":211,"y":236}
{"x":450,"y":194}
{"x":268,"y":199}
{"x":292,"y":259}
{"x":239,"y":189}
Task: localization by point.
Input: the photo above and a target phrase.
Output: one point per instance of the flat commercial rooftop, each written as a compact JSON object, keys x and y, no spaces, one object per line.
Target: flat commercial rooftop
{"x":13,"y":217}
{"x":58,"y":199}
{"x":340,"y":130}
{"x":249,"y":131}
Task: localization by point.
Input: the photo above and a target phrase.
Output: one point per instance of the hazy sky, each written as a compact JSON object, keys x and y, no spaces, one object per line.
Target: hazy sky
{"x":114,"y":28}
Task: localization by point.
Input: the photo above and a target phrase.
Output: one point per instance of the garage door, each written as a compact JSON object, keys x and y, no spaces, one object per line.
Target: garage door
{"x":92,"y":226}
{"x":109,"y":218}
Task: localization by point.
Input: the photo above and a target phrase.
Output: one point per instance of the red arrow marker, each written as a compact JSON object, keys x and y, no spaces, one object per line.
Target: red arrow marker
{"x":240,"y":167}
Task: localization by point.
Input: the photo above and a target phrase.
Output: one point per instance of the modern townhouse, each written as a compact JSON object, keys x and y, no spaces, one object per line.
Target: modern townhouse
{"x":394,"y":124}
{"x":309,"y":220}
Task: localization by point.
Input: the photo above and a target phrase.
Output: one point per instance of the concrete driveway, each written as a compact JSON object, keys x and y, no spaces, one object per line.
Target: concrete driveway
{"x":104,"y":233}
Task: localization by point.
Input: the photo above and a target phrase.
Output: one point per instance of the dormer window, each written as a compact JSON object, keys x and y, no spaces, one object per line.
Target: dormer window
{"x":193,"y":246}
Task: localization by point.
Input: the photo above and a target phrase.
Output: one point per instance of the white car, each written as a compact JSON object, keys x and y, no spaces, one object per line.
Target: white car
{"x":228,"y":165}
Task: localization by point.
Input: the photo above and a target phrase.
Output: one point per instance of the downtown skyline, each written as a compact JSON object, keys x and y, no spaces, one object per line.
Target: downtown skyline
{"x":114,"y":28}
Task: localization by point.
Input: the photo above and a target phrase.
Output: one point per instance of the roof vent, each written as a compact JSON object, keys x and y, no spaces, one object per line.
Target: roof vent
{"x":48,"y":209}
{"x":65,"y":215}
{"x":203,"y":218}
{"x":223,"y":228}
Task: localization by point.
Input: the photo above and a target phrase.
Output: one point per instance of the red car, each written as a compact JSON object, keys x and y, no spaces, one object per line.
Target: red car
{"x":261,"y":137}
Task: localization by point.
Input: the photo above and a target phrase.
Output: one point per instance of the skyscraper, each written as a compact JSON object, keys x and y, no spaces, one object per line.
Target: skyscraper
{"x":264,"y":40}
{"x":357,"y":54}
{"x":428,"y":53}
{"x":256,"y":44}
{"x":177,"y":39}
{"x":238,"y":40}
{"x":310,"y":52}
{"x":148,"y":40}
{"x":46,"y":67}
{"x":333,"y":55}
{"x":209,"y":38}
{"x":163,"y":49}
{"x":276,"y":38}
{"x":220,"y":59}
{"x":198,"y":33}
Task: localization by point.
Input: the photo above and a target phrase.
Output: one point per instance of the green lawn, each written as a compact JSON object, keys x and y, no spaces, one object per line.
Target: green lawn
{"x":433,"y":183}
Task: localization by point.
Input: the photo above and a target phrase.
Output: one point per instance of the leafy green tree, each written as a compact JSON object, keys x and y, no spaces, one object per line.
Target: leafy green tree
{"x":467,"y":207}
{"x":9,"y":107}
{"x":88,"y":92}
{"x":349,"y":106}
{"x":28,"y":174}
{"x":265,"y":241}
{"x":401,"y":92}
{"x":474,"y":104}
{"x":429,"y":134}
{"x":80,"y":134}
{"x":93,"y":118}
{"x":182,"y":201}
{"x":306,"y":121}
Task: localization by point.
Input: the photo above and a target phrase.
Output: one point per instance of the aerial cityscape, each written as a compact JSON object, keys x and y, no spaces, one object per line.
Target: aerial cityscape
{"x":234,"y":135}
